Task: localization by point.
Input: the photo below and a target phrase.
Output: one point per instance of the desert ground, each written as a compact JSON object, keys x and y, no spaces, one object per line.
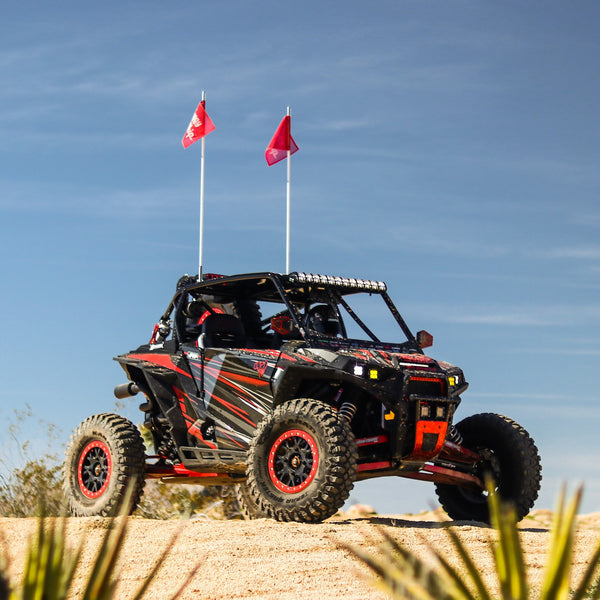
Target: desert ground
{"x":264,"y":559}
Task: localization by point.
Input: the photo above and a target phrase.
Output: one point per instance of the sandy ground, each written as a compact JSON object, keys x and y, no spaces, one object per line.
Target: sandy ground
{"x":283,"y":561}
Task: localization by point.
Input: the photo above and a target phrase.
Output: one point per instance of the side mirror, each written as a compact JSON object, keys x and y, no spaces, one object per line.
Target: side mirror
{"x":424,"y":339}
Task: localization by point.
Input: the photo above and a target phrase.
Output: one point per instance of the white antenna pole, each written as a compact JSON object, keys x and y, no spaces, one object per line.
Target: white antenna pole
{"x":201,"y":203}
{"x":288,"y":203}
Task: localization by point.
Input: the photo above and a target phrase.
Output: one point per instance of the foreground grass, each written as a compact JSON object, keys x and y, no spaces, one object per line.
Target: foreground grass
{"x":50,"y":566}
{"x":400,"y":574}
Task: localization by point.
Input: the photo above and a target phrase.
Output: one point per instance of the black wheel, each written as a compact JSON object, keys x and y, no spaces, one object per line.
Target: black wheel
{"x":105,"y":455}
{"x":509,"y":456}
{"x":302,"y":462}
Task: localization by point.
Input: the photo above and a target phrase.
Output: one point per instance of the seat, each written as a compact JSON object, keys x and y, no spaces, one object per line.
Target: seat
{"x":223,"y":331}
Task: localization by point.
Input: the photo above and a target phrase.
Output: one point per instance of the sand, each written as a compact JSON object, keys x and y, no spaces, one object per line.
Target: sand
{"x":284,"y":561}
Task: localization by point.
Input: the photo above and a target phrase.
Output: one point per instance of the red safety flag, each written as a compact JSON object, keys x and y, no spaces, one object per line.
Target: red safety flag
{"x":199,"y":126}
{"x":282,"y":142}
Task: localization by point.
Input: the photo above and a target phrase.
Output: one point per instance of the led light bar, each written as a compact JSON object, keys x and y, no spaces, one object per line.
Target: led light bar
{"x":346,"y":282}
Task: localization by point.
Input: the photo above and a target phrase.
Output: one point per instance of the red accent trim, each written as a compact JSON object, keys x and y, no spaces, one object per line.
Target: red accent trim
{"x":84,"y":453}
{"x":154,"y":334}
{"x":375,"y":466}
{"x":162,"y":360}
{"x":158,"y":471}
{"x":234,"y":409}
{"x":220,"y":373}
{"x":189,"y":420}
{"x":271,"y":353}
{"x":459,"y":453}
{"x":290,"y":358}
{"x":371,"y":441}
{"x":385,"y":357}
{"x":315,"y":464}
{"x":416,"y":358}
{"x":230,"y":437}
{"x":244,"y":378}
{"x":438,"y":428}
{"x":437,"y":474}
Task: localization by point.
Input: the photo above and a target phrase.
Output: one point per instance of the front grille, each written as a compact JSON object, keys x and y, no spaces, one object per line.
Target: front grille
{"x":426,"y":386}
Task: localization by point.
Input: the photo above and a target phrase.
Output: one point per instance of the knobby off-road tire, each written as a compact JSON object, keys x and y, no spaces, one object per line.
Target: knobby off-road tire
{"x":249,"y":510}
{"x":509,"y":456}
{"x":302,"y":462}
{"x":105,"y":455}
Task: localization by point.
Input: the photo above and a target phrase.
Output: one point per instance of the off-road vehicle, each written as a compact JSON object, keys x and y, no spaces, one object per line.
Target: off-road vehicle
{"x":284,"y":386}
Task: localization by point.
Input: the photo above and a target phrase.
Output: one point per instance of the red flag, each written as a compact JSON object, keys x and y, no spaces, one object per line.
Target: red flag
{"x":282,"y":142}
{"x":199,"y":126}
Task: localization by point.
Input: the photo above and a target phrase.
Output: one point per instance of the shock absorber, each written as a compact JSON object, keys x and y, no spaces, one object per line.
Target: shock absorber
{"x":347,"y":411}
{"x":454,"y":435}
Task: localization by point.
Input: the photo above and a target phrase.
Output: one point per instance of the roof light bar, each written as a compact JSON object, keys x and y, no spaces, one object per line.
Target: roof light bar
{"x":346,"y":282}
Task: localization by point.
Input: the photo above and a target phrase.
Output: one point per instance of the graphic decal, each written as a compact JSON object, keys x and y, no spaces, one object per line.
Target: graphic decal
{"x":161,"y":360}
{"x":260,"y":366}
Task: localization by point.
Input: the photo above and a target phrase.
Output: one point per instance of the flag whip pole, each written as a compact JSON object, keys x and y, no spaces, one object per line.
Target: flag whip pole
{"x":201,"y":240}
{"x":288,"y":203}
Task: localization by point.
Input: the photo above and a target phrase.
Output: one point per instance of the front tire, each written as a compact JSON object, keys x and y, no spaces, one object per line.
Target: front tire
{"x":104,"y":457}
{"x":509,"y":455}
{"x":302,"y":462}
{"x":249,"y":509}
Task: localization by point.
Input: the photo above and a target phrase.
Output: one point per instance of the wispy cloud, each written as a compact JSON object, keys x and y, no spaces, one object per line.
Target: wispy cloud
{"x":70,"y":200}
{"x":506,"y":315}
{"x":576,"y":252}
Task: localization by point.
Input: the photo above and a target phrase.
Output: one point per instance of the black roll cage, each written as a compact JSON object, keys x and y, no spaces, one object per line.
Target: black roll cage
{"x":288,"y":289}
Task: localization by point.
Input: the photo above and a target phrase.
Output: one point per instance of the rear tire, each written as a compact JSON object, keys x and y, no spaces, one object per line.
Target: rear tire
{"x":302,"y":462}
{"x":509,"y":455}
{"x":104,"y":457}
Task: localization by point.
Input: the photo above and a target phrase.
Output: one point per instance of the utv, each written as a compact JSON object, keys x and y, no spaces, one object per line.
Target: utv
{"x":281,"y":385}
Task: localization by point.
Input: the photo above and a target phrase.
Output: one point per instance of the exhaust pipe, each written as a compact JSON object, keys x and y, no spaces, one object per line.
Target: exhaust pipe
{"x":125,"y":390}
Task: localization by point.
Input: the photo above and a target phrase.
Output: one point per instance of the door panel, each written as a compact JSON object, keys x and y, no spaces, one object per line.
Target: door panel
{"x":237,"y":391}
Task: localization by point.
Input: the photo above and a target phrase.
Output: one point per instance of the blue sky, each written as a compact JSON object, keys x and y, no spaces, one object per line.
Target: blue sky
{"x":450,"y":148}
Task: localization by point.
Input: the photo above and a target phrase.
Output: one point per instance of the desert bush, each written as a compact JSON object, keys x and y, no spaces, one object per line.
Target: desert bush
{"x":401,"y":574}
{"x":20,"y":489}
{"x":22,"y":474}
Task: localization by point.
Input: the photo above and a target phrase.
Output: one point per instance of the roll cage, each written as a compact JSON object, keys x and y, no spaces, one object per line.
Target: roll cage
{"x":246,"y":296}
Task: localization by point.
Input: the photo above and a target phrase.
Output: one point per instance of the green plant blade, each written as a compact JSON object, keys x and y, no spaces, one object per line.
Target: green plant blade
{"x":555,"y":585}
{"x":508,"y":552}
{"x":587,"y":580}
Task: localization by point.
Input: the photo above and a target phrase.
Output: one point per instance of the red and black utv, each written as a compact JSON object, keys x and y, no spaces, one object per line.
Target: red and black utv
{"x":285,"y":386}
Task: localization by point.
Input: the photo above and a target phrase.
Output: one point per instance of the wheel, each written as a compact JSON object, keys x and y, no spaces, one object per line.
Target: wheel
{"x":105,"y":455}
{"x":301,"y":462}
{"x":509,"y":455}
{"x":247,"y":505}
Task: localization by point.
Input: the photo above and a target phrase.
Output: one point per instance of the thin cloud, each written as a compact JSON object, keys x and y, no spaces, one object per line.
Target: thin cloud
{"x":512,"y":316}
{"x":584,"y":252}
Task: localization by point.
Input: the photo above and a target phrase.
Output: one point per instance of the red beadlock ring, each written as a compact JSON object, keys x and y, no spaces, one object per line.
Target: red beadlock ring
{"x":279,"y":444}
{"x":95,"y":458}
